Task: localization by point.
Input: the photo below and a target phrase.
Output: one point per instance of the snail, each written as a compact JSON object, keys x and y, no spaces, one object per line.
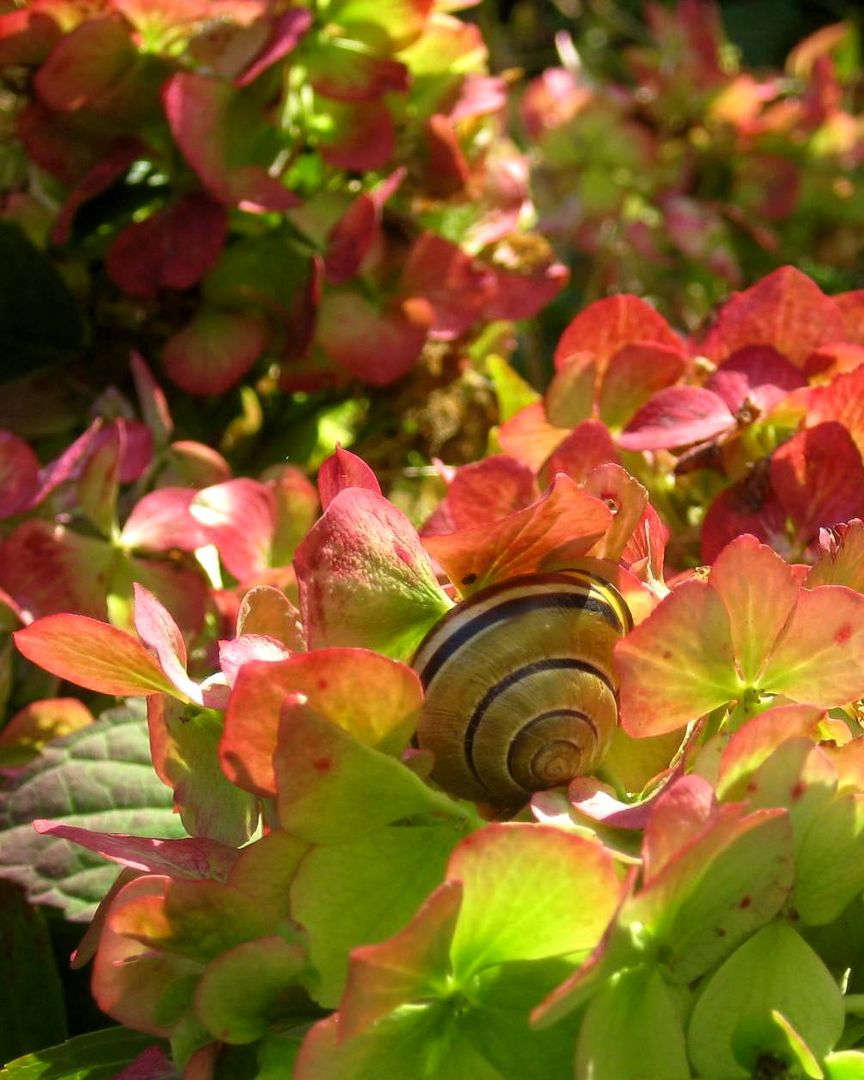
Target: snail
{"x":520,"y":688}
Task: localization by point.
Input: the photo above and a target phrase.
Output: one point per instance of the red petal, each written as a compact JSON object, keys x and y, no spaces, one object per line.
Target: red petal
{"x":530,"y":437}
{"x":48,"y":569}
{"x":352,"y":237}
{"x":101,"y":177}
{"x":85,"y":63}
{"x":746,"y":507}
{"x":447,"y":171}
{"x":760,"y":593}
{"x":588,"y":445}
{"x":561,"y":526}
{"x":443,"y":274}
{"x":785,"y":310}
{"x":635,"y":373}
{"x":377,"y":347}
{"x":362,"y":136}
{"x":214,"y":351}
{"x":175,"y":247}
{"x":338,"y":70}
{"x":487,"y":491}
{"x":610,"y":324}
{"x":374,"y":698}
{"x":851,"y":306}
{"x":92,"y":654}
{"x":27,"y":37}
{"x":522,"y":295}
{"x":818,"y":477}
{"x":843,"y":401}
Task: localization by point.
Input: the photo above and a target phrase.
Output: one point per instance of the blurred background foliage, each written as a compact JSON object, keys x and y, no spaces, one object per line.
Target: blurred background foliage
{"x":676,"y":150}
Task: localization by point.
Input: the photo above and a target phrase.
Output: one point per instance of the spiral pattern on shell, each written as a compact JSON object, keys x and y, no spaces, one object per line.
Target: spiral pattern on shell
{"x":520,"y":687}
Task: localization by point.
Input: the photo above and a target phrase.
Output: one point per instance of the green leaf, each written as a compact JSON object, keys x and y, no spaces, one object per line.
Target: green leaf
{"x":725,"y":894}
{"x":363,"y":891}
{"x":333,"y":788}
{"x":40,"y":320}
{"x":244,"y":990}
{"x":633,"y":1027}
{"x":529,"y":892}
{"x":774,"y":971}
{"x":830,"y":862}
{"x":844,"y":1065}
{"x":413,"y":965}
{"x":100,"y":1055}
{"x":28,"y":974}
{"x":512,"y":391}
{"x":496,"y":1023}
{"x":208,"y":803}
{"x":100,"y":777}
{"x":277,"y":1053}
{"x":416,"y":1041}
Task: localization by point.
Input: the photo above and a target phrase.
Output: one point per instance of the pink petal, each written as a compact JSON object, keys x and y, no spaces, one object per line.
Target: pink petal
{"x":161,"y":521}
{"x":196,"y":857}
{"x":677,"y":416}
{"x":680,"y":814}
{"x":160,"y":633}
{"x":19,"y":474}
{"x":154,"y":405}
{"x":286,"y":32}
{"x":238,"y":517}
{"x":239,"y":651}
{"x":343,"y":470}
{"x":757,"y":373}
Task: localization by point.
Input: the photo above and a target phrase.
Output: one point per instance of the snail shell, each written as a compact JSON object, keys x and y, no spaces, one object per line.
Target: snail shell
{"x":520,"y":688}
